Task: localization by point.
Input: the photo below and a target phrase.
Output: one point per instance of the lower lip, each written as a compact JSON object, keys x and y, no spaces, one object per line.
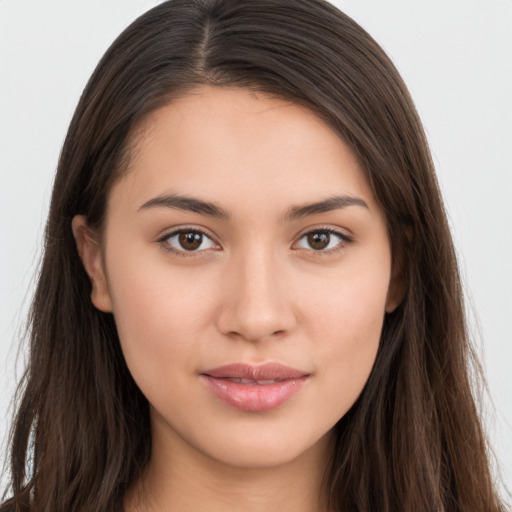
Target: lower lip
{"x":254,"y":397}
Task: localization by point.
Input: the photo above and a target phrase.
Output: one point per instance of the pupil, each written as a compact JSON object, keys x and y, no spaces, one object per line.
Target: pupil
{"x":190,"y":241}
{"x":319,"y":241}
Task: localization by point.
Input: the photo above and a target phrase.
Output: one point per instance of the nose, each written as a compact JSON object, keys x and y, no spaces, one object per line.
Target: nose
{"x":258,"y":302}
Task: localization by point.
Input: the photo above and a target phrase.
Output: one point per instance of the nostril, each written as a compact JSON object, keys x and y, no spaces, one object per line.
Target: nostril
{"x":256,"y":314}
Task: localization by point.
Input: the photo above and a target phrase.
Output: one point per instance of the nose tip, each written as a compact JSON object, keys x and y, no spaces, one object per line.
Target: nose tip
{"x":257,"y":304}
{"x":252,"y":328}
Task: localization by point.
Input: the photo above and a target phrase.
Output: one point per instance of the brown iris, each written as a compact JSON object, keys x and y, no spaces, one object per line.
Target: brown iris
{"x":319,"y":240}
{"x":190,"y":240}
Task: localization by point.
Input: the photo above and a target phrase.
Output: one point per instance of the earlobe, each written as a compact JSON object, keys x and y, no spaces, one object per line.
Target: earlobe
{"x":89,"y":250}
{"x":391,"y":305}
{"x":399,"y":284}
{"x":396,"y":290}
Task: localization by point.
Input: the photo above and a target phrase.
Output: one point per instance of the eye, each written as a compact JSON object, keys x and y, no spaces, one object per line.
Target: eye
{"x":188,"y":240}
{"x":326,"y":240}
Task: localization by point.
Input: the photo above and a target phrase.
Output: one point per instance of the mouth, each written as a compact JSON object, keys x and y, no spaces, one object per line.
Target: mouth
{"x":255,"y":388}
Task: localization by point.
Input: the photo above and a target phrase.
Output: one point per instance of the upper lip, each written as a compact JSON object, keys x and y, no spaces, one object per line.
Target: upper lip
{"x":267,"y":371}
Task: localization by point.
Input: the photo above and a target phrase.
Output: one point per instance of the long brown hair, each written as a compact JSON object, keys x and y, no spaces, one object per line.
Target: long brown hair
{"x":413,"y":440}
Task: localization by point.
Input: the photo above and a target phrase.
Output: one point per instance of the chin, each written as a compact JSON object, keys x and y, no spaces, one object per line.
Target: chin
{"x":264,"y":450}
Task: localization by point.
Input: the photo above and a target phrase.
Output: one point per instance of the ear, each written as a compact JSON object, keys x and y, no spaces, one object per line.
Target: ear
{"x":89,"y":249}
{"x":397,"y":288}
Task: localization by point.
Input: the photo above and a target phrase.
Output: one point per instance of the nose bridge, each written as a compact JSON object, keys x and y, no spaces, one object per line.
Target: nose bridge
{"x":257,"y":304}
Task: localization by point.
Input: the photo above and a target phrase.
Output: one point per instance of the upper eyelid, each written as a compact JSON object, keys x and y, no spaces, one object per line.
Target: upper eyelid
{"x":334,"y":230}
{"x":180,"y":229}
{"x":343,"y":242}
{"x":163,"y":241}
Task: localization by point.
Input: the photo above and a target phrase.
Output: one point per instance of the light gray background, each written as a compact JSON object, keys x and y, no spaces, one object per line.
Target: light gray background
{"x":455,"y":56}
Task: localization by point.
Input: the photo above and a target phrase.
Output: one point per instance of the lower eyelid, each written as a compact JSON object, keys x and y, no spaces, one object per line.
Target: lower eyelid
{"x":164,"y":241}
{"x":343,"y":240}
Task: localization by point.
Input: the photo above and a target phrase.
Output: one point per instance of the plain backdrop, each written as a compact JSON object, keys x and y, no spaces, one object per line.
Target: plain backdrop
{"x":455,"y":56}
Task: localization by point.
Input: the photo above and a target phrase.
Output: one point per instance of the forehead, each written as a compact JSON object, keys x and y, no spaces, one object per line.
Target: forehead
{"x":214,"y":141}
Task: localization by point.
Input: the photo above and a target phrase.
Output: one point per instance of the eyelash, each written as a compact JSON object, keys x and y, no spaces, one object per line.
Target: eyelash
{"x":164,"y":241}
{"x":343,"y":241}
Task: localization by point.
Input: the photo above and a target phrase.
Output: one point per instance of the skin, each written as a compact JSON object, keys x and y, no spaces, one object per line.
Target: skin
{"x":254,"y":291}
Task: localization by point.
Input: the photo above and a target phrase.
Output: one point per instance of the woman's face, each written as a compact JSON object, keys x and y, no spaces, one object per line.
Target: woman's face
{"x":248,"y":268}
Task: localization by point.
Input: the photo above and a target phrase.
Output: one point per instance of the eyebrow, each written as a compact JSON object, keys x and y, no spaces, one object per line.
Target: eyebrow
{"x":328,"y":205}
{"x":190,"y":204}
{"x":179,"y":202}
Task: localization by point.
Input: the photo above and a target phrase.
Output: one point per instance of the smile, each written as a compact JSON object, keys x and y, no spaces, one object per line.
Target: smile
{"x":254,"y":388}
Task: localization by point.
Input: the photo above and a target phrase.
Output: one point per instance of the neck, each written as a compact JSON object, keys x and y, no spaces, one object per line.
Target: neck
{"x":179,"y":479}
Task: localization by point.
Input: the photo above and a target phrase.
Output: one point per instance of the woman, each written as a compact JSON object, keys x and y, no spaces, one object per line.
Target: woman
{"x":249,"y":296}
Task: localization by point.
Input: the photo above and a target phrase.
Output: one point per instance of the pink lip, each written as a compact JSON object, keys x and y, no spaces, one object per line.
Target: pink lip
{"x":258,"y":396}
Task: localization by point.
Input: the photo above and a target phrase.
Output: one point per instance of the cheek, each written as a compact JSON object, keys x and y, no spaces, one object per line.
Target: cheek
{"x":160,"y":315}
{"x":346,"y":326}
